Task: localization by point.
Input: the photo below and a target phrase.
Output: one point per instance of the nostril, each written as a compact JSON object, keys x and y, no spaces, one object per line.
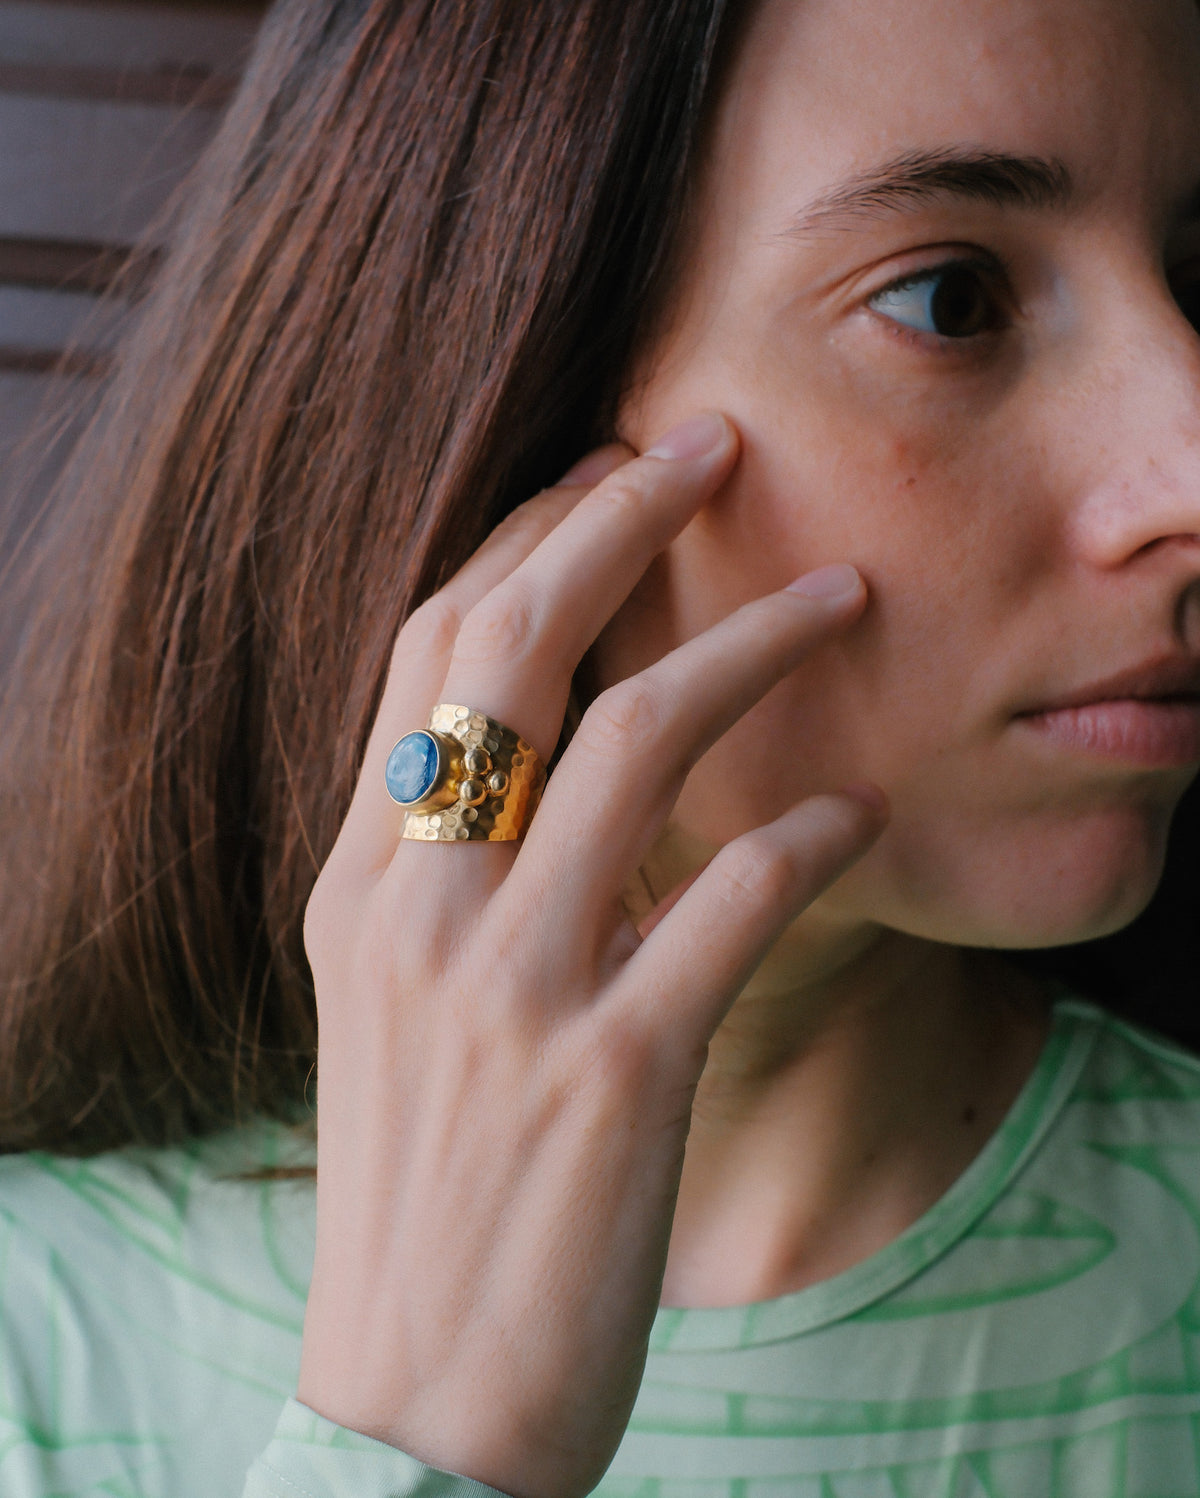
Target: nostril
{"x":1187,"y":623}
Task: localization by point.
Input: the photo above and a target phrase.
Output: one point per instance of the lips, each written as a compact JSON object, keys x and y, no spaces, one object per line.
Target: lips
{"x":1148,"y":716}
{"x":1171,"y":679}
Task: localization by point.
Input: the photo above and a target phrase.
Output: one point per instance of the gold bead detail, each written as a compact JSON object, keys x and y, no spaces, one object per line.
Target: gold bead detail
{"x":477,"y":762}
{"x":471,"y":792}
{"x":497,"y":783}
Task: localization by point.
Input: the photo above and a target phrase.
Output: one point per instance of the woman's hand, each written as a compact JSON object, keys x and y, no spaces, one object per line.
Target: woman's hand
{"x":506,"y":1067}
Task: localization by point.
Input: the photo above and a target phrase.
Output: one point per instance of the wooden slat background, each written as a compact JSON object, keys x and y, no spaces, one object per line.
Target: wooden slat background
{"x":103,"y":107}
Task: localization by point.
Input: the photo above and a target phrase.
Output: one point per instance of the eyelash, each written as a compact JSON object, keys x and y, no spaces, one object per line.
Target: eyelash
{"x":990,"y":275}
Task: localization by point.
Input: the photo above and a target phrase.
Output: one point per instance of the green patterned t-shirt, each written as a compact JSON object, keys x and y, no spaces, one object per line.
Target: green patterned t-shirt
{"x":1036,"y":1334}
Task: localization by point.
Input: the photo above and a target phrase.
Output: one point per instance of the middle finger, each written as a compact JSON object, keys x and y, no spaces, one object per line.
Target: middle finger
{"x":620,"y":777}
{"x":518,"y":648}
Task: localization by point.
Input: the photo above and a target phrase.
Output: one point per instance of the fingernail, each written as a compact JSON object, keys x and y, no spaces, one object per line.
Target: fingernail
{"x":869,"y":794}
{"x":690,"y":439}
{"x":592,"y":468}
{"x":827,"y":582}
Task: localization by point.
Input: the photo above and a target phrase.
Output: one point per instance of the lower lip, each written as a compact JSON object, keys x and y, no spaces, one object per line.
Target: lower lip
{"x":1154,"y":734}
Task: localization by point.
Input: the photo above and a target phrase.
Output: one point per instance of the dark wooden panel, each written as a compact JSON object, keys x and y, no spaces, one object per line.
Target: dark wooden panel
{"x":31,"y":361}
{"x":196,"y":87}
{"x":54,"y":264}
{"x":142,"y":37}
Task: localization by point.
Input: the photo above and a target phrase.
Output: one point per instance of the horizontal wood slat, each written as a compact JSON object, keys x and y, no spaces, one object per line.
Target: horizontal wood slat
{"x":146,"y":38}
{"x":192,"y":87}
{"x":104,"y":106}
{"x":84,"y":170}
{"x":61,"y":264}
{"x":86,"y":362}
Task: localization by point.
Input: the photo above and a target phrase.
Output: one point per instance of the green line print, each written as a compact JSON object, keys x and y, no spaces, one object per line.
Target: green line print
{"x":1151,"y":1159}
{"x":1195,"y":1424}
{"x":295,"y":1286}
{"x":1094,"y":1243}
{"x":975,"y":1465}
{"x":53,"y":1303}
{"x":267,"y":1220}
{"x":234,"y":1375}
{"x":180,"y":1269}
{"x":913,"y":1479}
{"x":629,"y":1487}
{"x":1130,"y":1081}
{"x":86,"y":1182}
{"x":1092,"y":1388}
{"x":124,"y":1316}
{"x":1117,"y":1437}
{"x":30,"y":1433}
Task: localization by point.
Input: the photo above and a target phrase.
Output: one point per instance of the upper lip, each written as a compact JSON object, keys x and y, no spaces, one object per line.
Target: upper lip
{"x":1174,"y":677}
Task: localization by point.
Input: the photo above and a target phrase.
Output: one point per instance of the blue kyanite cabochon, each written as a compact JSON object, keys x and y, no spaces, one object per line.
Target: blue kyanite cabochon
{"x":412,"y":768}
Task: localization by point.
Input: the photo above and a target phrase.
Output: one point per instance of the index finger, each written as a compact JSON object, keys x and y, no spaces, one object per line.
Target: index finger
{"x":518,"y":649}
{"x":424,"y":642}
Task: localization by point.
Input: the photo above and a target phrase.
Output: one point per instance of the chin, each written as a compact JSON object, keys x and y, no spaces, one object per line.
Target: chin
{"x":1023,"y":888}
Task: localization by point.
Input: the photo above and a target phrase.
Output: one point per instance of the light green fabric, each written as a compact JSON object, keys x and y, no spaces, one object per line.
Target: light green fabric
{"x":1035,"y":1335}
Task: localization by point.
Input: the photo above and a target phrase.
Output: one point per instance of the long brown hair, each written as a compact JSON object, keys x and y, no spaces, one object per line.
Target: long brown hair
{"x":397,"y":299}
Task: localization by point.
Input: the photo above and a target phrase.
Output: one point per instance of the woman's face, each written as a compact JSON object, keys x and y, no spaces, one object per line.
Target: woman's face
{"x":940,"y":274}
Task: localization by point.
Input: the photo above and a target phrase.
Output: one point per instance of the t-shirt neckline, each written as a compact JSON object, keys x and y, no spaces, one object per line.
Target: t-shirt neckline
{"x":1073,"y":1029}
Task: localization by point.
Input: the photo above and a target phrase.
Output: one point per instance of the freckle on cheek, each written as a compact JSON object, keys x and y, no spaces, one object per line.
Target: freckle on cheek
{"x":912,"y":454}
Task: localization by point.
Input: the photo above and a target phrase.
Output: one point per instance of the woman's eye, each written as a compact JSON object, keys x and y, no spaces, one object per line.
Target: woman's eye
{"x":953,"y":301}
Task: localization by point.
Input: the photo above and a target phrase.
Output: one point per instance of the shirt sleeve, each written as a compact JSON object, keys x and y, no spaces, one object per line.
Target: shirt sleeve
{"x":310,"y":1457}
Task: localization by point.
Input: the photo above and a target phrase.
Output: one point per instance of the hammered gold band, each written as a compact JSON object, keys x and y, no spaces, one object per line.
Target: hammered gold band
{"x":466,"y":778}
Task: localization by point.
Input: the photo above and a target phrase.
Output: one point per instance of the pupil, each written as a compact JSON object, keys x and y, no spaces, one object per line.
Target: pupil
{"x":959,"y":306}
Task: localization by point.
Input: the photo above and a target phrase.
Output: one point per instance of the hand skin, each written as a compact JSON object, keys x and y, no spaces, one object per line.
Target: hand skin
{"x":506,"y":1065}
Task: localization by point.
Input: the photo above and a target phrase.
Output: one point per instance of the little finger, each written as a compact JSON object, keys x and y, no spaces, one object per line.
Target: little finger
{"x":698,"y":957}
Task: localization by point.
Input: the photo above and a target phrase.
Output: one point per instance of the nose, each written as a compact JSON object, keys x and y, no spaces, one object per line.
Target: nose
{"x":1140,"y":430}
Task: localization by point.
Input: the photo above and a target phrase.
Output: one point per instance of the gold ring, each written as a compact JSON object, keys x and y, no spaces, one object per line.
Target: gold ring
{"x":465,"y":778}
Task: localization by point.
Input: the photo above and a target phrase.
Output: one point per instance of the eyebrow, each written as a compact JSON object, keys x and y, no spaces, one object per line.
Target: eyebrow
{"x":920,"y":176}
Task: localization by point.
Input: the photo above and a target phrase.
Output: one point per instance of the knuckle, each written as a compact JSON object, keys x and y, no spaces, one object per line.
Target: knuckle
{"x":758,"y":869}
{"x":627,"y":714}
{"x":626,"y":492}
{"x":528,"y":522}
{"x":498,"y":628}
{"x":433,"y":627}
